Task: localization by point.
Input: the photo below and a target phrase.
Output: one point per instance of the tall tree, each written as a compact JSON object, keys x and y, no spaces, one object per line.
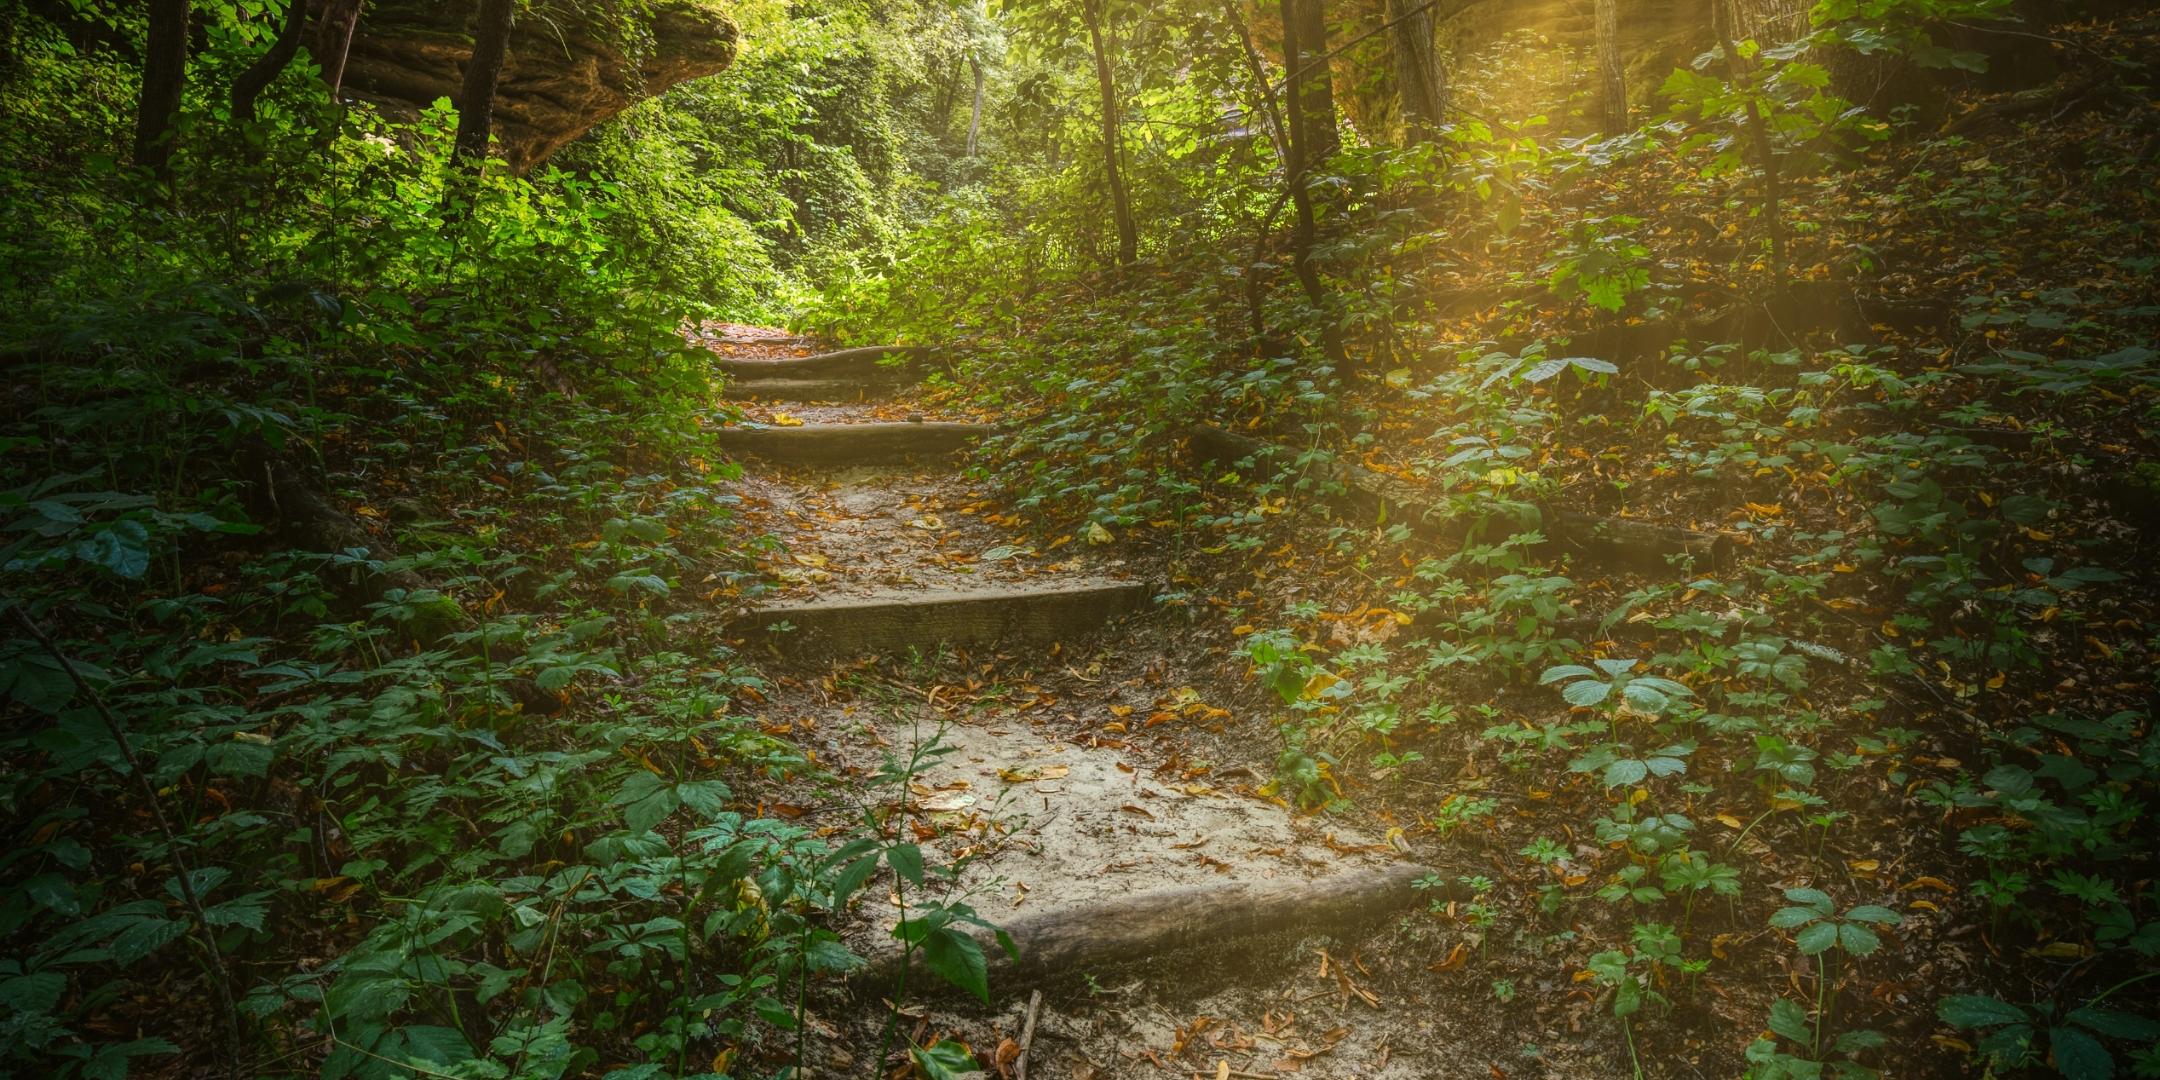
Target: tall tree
{"x":1312,"y":82}
{"x":332,"y":41}
{"x":476,"y":99}
{"x":165,"y":57}
{"x":1611,"y":76}
{"x":1420,"y":81}
{"x":1120,"y":206}
{"x":259,"y":75}
{"x":1261,"y":90}
{"x":1310,"y":144}
{"x":975,"y":111}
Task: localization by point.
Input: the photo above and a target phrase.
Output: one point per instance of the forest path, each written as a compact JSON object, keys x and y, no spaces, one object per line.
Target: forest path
{"x":1064,"y":766}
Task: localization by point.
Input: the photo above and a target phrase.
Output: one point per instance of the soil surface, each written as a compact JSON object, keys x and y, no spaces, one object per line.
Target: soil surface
{"x":1053,"y":776}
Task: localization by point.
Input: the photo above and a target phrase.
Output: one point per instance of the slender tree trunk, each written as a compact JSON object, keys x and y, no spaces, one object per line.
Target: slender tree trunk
{"x":1305,"y":21}
{"x":260,"y":74}
{"x":476,"y":100}
{"x":165,"y":57}
{"x":1612,"y":77}
{"x":332,"y":41}
{"x":1758,"y":136}
{"x":1261,"y":87}
{"x":1420,"y":81}
{"x":1303,"y":132}
{"x":975,"y":112}
{"x":1128,"y":234}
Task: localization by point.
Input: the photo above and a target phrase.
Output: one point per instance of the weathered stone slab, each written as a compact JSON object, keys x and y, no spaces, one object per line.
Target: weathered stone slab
{"x":851,"y":444}
{"x":884,"y":623}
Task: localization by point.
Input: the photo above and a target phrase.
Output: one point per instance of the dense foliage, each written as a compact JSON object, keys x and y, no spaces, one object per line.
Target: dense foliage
{"x":467,"y":789}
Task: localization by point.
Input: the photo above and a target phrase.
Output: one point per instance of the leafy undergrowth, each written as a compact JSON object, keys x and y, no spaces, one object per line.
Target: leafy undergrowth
{"x":1866,"y":789}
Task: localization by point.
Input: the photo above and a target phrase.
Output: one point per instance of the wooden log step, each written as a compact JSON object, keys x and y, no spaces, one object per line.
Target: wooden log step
{"x":1613,"y":541}
{"x":1146,"y":926}
{"x":888,"y":622}
{"x":851,"y":444}
{"x":863,"y":363}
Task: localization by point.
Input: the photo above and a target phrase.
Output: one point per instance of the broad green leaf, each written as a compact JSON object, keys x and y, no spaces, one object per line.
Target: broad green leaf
{"x":1791,"y":1021}
{"x":1586,"y":693}
{"x":1817,"y":938}
{"x":1857,"y":939}
{"x":2079,"y":1056}
{"x":906,"y":860}
{"x":956,"y":958}
{"x":944,"y":1060}
{"x":1974,"y":1011}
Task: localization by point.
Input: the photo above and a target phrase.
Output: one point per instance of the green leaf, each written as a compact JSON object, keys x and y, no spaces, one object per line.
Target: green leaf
{"x":2079,"y":1056}
{"x":1817,"y":938}
{"x":122,"y":547}
{"x":428,"y":1044}
{"x":1624,"y":772}
{"x":33,"y":993}
{"x":707,"y":797}
{"x":1586,"y":693}
{"x":37,"y":682}
{"x":956,"y":958}
{"x":2116,"y":1024}
{"x":774,"y":1013}
{"x":111,"y":1062}
{"x":1791,"y":1021}
{"x":945,"y":1060}
{"x":1787,"y":918}
{"x":1872,"y":913}
{"x":1974,"y":1011}
{"x":906,"y":860}
{"x":1857,"y":939}
{"x":646,"y":801}
{"x":1563,"y":671}
{"x":1814,"y":899}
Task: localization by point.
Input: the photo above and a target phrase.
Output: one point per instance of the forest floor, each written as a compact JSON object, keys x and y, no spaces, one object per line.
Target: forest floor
{"x":1894,"y":538}
{"x":1058,"y":774}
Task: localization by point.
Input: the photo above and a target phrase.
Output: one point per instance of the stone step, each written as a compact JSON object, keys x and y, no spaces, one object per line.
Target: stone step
{"x":887,"y":622}
{"x":844,"y":375}
{"x":834,"y":389}
{"x":851,"y":444}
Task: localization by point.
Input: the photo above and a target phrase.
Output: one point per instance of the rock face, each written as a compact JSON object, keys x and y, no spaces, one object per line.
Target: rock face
{"x":568,"y":69}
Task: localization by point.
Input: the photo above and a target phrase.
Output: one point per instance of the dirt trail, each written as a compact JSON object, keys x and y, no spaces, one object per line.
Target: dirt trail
{"x":1073,"y":770}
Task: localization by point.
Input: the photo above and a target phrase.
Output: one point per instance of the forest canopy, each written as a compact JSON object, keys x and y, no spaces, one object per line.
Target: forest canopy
{"x":1259,"y":538}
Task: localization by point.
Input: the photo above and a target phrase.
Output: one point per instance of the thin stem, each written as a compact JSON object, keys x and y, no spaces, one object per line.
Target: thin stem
{"x":219,"y":975}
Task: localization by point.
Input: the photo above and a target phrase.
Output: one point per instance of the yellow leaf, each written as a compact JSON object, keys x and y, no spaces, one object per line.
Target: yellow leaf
{"x":1318,"y":684}
{"x":1098,"y":535}
{"x":781,"y":419}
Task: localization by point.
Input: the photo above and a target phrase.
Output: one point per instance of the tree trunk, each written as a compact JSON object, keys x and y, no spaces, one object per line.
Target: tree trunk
{"x":1758,"y":136}
{"x":1266,"y":105}
{"x":476,"y":99}
{"x":1128,"y":234}
{"x":1304,"y":154}
{"x":165,"y":57}
{"x":975,"y":112}
{"x":1612,"y":77}
{"x":1312,"y":82}
{"x":1420,"y":82}
{"x":332,"y":41}
{"x":260,"y":74}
